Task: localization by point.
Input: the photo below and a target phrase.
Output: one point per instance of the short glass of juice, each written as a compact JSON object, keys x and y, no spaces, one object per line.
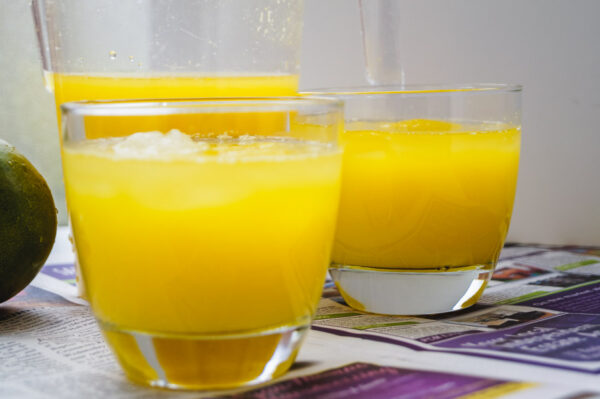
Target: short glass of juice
{"x":428,"y":183}
{"x":203,"y":230}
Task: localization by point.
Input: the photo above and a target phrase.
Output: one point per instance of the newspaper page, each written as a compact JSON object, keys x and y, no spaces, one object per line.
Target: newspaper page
{"x":363,"y":380}
{"x":51,"y":347}
{"x":542,"y":308}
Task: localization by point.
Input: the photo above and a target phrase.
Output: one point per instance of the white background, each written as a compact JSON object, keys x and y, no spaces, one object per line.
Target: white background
{"x":552,"y":47}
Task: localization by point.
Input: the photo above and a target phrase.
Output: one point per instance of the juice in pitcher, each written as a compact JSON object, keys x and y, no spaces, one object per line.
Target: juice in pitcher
{"x":75,"y":87}
{"x":113,"y":49}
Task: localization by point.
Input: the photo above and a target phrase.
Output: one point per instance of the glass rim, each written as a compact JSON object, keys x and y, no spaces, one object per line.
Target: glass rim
{"x":416,"y":89}
{"x":168,"y":106}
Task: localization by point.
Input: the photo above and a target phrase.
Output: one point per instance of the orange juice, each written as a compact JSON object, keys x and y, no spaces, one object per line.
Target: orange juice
{"x":72,"y":87}
{"x":201,"y":251}
{"x":420,"y":194}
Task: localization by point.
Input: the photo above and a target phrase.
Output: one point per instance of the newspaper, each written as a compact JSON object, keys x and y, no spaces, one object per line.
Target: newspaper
{"x":51,"y":347}
{"x":363,"y":380}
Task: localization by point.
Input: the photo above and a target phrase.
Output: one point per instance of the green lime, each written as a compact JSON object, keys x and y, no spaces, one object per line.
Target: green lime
{"x":27,"y":221}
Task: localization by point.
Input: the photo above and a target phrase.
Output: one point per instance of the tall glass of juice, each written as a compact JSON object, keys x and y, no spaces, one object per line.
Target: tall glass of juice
{"x":113,"y":49}
{"x":204,"y":247}
{"x":428,"y":183}
{"x":145,"y":49}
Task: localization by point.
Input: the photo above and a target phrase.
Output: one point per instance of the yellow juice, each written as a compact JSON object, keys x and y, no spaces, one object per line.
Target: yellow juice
{"x":422,"y":194}
{"x":73,"y":87}
{"x":210,"y":249}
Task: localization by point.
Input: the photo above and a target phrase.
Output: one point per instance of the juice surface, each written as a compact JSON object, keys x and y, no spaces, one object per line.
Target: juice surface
{"x":72,"y":87}
{"x":202,"y":238}
{"x":425,"y":194}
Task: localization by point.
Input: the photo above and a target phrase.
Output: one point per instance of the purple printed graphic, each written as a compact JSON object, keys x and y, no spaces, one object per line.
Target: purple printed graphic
{"x":64,"y":272}
{"x":363,"y":380}
{"x":574,"y":337}
{"x":443,"y":336}
{"x":33,"y":296}
{"x":585,"y":299}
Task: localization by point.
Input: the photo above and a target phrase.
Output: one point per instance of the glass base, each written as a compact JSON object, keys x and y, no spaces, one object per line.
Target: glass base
{"x":205,"y":362}
{"x":410,"y":291}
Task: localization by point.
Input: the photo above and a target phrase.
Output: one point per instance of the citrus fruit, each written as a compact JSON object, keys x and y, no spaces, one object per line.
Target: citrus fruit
{"x":27,"y":221}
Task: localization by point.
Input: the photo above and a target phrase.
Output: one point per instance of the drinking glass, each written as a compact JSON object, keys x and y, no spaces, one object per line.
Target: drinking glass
{"x":428,"y":183}
{"x":203,"y":231}
{"x":145,"y":49}
{"x":114,"y":49}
